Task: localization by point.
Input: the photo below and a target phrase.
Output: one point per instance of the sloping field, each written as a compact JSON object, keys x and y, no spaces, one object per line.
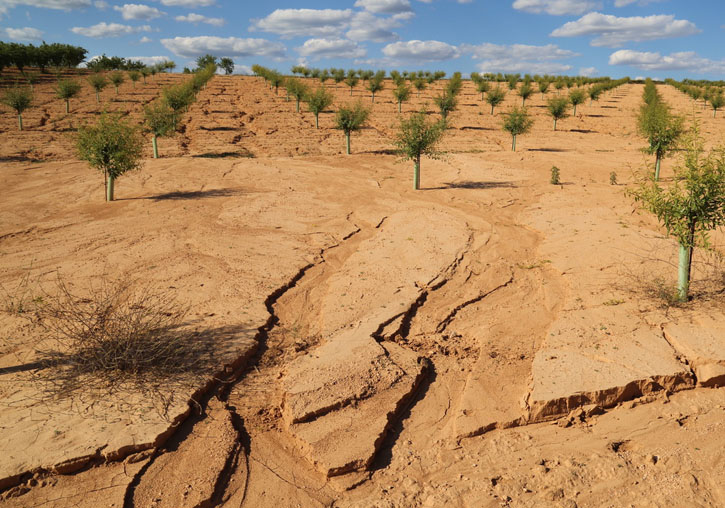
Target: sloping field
{"x":489,"y":340}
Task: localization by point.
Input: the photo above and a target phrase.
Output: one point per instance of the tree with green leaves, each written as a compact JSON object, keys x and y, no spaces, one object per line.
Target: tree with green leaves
{"x":576,"y":97}
{"x":296,"y":89}
{"x":111,"y":146}
{"x":517,"y":122}
{"x":117,"y":79}
{"x":98,"y":82}
{"x":558,"y":108}
{"x":66,"y":89}
{"x":594,"y":93}
{"x":351,"y":80}
{"x":559,"y":84}
{"x":417,"y":137}
{"x":134,"y":76}
{"x":205,"y":60}
{"x":145,"y":73}
{"x":716,"y":101}
{"x":662,"y":129}
{"x":692,"y":205}
{"x":495,"y":97}
{"x":275,"y":80}
{"x":446,"y":103}
{"x":543,"y":87}
{"x":350,"y":119}
{"x":178,"y":97}
{"x":525,"y":92}
{"x":401,"y":93}
{"x":32,"y":78}
{"x":227,"y":65}
{"x":18,"y":99}
{"x":375,"y":85}
{"x":483,"y":87}
{"x":419,"y":84}
{"x":513,"y":80}
{"x":455,"y":84}
{"x":161,"y":121}
{"x":317,"y":102}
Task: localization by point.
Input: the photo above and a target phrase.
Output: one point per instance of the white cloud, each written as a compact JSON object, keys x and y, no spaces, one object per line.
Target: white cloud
{"x":101,"y":4}
{"x":651,"y":61}
{"x":520,"y":58}
{"x":138,"y":11}
{"x":198,"y":18}
{"x":191,"y":4}
{"x":149,"y":60}
{"x":624,"y":3}
{"x":557,"y":7}
{"x":192,"y":47}
{"x":331,"y":48}
{"x":305,"y":22}
{"x":384,"y":6}
{"x":613,"y":31}
{"x":63,"y":5}
{"x":420,"y":51}
{"x":145,"y":40}
{"x":24,"y":34}
{"x":588,"y":71}
{"x":366,"y":27}
{"x":104,"y":29}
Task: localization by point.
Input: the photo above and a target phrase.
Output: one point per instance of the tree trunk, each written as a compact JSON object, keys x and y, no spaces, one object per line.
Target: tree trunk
{"x":554,"y":123}
{"x":98,"y":98}
{"x":350,"y":91}
{"x":657,"y":168}
{"x":513,"y":145}
{"x":574,"y":109}
{"x":373,"y":96}
{"x":416,"y":174}
{"x":67,"y":106}
{"x":298,"y":105}
{"x":20,"y":121}
{"x":116,"y":87}
{"x":347,"y":142}
{"x":400,"y":106}
{"x":317,"y":120}
{"x":109,"y":188}
{"x":491,"y":110}
{"x":683,"y":279}
{"x":156,"y":147}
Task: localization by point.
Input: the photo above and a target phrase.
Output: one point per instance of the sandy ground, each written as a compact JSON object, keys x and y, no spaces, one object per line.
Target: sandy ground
{"x":489,"y":340}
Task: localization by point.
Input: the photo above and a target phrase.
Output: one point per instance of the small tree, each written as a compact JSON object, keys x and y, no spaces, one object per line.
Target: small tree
{"x":111,"y":146}
{"x":98,"y":82}
{"x":18,"y":99}
{"x":227,"y":64}
{"x":275,"y":81}
{"x":350,"y":119}
{"x":145,"y":73}
{"x":375,"y":85}
{"x":416,"y":137}
{"x":134,"y":76}
{"x":178,"y":97}
{"x":117,"y":79}
{"x":351,"y":81}
{"x":32,"y":78}
{"x":543,"y":87}
{"x":517,"y":122}
{"x":495,"y":97}
{"x":716,"y":101}
{"x":594,"y":93}
{"x":66,"y":89}
{"x":692,"y":205}
{"x":419,"y":84}
{"x":446,"y":103}
{"x":317,"y":102}
{"x":161,"y":121}
{"x":558,"y":108}
{"x":662,"y":130}
{"x":401,"y":93}
{"x":525,"y":92}
{"x":296,"y":89}
{"x":483,"y":87}
{"x":576,"y":97}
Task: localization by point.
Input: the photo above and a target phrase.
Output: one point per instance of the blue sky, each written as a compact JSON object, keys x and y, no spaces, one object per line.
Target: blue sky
{"x":658,"y":38}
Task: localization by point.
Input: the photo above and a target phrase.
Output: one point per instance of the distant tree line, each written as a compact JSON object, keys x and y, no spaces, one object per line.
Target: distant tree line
{"x":42,"y":56}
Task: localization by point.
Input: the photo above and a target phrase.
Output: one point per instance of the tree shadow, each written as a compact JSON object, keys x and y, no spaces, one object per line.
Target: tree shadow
{"x":555,"y":150}
{"x":181,"y":195}
{"x":219,"y":129}
{"x":472,"y":128}
{"x":467,"y":184}
{"x":598,"y":116}
{"x":582,"y":131}
{"x":383,"y":151}
{"x":19,"y":158}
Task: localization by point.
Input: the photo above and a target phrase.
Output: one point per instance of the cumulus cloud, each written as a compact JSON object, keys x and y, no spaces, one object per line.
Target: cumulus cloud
{"x":145,"y":40}
{"x":366,"y":27}
{"x":652,"y":61}
{"x":305,"y":22}
{"x":63,"y":5}
{"x":24,"y":34}
{"x":420,"y":51}
{"x":191,"y":4}
{"x":613,"y":31}
{"x":330,"y":48}
{"x":138,"y":11}
{"x":520,"y":58}
{"x":149,"y":60}
{"x":384,"y":6}
{"x":192,"y":47}
{"x":557,"y":7}
{"x":198,"y":18}
{"x":103,"y":29}
{"x":624,"y":3}
{"x":588,"y":71}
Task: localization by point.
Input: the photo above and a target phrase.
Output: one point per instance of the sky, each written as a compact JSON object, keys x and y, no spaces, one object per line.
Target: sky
{"x":616,"y":38}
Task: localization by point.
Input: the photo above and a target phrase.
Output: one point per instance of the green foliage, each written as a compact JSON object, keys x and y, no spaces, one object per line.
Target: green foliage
{"x":525,"y":92}
{"x":206,"y":60}
{"x":227,"y":65}
{"x":495,"y":97}
{"x":318,"y":101}
{"x":42,"y":56}
{"x":117,"y":79}
{"x":576,"y":97}
{"x":134,"y":76}
{"x":513,"y":80}
{"x":178,"y":97}
{"x":111,"y":146}
{"x":483,"y":86}
{"x":555,"y":176}
{"x":717,"y":100}
{"x":517,"y":122}
{"x":419,"y":84}
{"x":67,"y":89}
{"x":375,"y":85}
{"x":543,"y":86}
{"x":351,"y":81}
{"x":417,"y":136}
{"x":558,"y":108}
{"x":98,"y":82}
{"x":18,"y":99}
{"x":454,"y":85}
{"x":160,"y":118}
{"x":661,"y":128}
{"x":105,"y":63}
{"x":613,"y":178}
{"x":446,"y":103}
{"x":296,"y":89}
{"x":351,"y":118}
{"x":401,"y":93}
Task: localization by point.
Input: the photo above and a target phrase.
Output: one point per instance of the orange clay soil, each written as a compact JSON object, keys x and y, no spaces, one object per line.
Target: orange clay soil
{"x":489,"y":340}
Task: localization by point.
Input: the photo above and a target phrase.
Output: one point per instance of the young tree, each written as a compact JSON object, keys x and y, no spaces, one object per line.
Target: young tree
{"x":662,"y":130}
{"x":576,"y":97}
{"x":178,"y":97}
{"x":446,"y":103}
{"x":111,"y":146}
{"x":296,"y":89}
{"x":351,"y":80}
{"x":66,"y":89}
{"x":161,"y":121}
{"x":401,"y":93}
{"x":558,"y":108}
{"x":692,"y":205}
{"x":205,"y":60}
{"x":559,"y":84}
{"x":227,"y":64}
{"x":98,"y":82}
{"x":716,"y":101}
{"x":416,"y":137}
{"x":483,"y":87}
{"x":543,"y":87}
{"x":513,"y":80}
{"x":419,"y":84}
{"x":275,"y":80}
{"x":32,"y":78}
{"x":134,"y":76}
{"x":18,"y":99}
{"x":375,"y":85}
{"x":117,"y":79}
{"x":350,"y":119}
{"x":495,"y":97}
{"x":145,"y":73}
{"x":525,"y":92}
{"x":594,"y":93}
{"x":517,"y":122}
{"x":317,"y":102}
